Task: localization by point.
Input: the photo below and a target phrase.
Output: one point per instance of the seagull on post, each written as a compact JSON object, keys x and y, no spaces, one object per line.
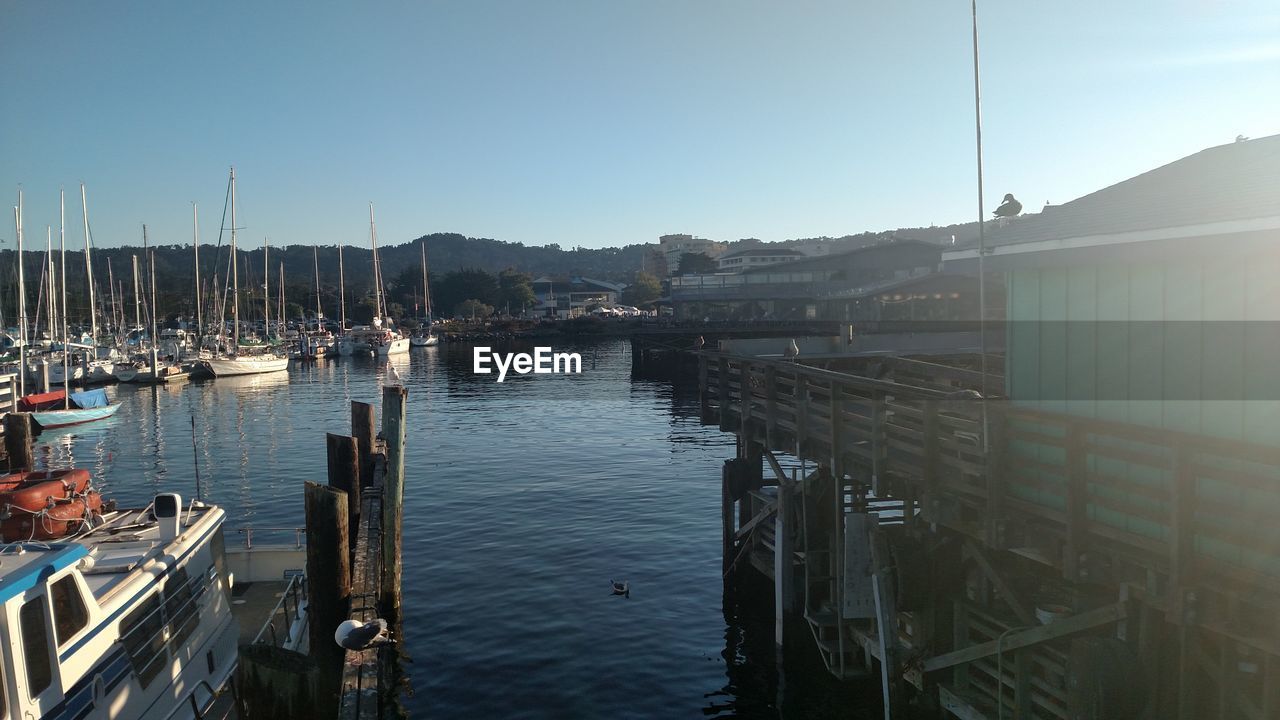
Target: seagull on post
{"x":355,"y":635}
{"x":1009,"y":208}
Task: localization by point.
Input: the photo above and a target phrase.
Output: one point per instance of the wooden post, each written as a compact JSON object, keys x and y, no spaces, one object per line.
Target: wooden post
{"x":328,"y":581}
{"x":343,"y":453}
{"x":886,"y":624}
{"x":362,"y":427}
{"x":932,"y":497}
{"x":1077,"y":498}
{"x":17,"y":441}
{"x":274,"y":683}
{"x":393,"y":432}
{"x":44,"y":376}
{"x":784,"y":593}
{"x":704,"y":391}
{"x":722,"y":376}
{"x":727,"y":475}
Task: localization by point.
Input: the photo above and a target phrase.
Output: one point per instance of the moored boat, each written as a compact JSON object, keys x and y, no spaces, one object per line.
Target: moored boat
{"x":57,"y":409}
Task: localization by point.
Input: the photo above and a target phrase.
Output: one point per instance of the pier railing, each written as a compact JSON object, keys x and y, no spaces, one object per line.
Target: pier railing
{"x":1190,"y":521}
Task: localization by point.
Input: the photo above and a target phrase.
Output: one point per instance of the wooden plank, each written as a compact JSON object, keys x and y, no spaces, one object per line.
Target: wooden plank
{"x":1104,"y":615}
{"x":1011,"y":598}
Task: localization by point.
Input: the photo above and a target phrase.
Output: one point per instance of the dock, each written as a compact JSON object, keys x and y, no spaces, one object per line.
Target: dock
{"x":293,"y":667}
{"x":985,"y":560}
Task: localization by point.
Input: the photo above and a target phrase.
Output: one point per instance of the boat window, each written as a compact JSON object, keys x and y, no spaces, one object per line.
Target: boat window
{"x":69,"y":613}
{"x":142,"y":633}
{"x":35,"y":646}
{"x":179,"y":607}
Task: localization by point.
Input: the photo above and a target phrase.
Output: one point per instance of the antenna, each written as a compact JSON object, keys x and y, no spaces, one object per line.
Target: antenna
{"x":195,"y":456}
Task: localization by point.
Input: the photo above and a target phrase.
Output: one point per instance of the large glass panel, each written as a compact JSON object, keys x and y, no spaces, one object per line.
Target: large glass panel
{"x":69,"y":613}
{"x":35,"y":646}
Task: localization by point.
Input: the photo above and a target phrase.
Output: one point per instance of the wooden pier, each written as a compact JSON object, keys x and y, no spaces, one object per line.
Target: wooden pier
{"x":350,"y":576}
{"x":985,"y":560}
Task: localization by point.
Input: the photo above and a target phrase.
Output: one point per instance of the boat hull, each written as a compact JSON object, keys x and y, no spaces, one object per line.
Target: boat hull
{"x":49,"y":419}
{"x":226,"y":367}
{"x":397,"y":346}
{"x":427,"y":341}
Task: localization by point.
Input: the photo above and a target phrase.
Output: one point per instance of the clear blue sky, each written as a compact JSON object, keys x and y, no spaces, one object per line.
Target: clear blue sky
{"x":606,"y":122}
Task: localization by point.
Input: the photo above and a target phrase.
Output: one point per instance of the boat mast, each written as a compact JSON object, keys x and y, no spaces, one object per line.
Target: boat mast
{"x":235,"y":273}
{"x":88,"y":271}
{"x":115,"y":306}
{"x":315,"y":259}
{"x":342,"y":293}
{"x":195,"y":239}
{"x":280,"y":309}
{"x":155,"y":321}
{"x":22,"y":302}
{"x":62,"y":250}
{"x":151,"y":302}
{"x":266,"y":291}
{"x":426,"y":294}
{"x":52,"y":307}
{"x":377,"y":269}
{"x":137,"y":296}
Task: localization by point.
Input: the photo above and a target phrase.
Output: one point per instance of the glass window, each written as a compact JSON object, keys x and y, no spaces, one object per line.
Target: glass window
{"x":35,"y":646}
{"x":142,"y":633}
{"x":69,"y":613}
{"x":179,"y":607}
{"x":218,"y":546}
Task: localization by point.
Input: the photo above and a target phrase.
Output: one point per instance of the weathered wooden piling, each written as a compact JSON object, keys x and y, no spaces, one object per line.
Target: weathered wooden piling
{"x":328,"y":580}
{"x":364,"y":429}
{"x":276,"y":683}
{"x":343,"y":454}
{"x":17,"y":441}
{"x":393,"y":433}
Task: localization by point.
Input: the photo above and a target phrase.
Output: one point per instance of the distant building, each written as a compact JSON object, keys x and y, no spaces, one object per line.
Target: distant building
{"x":844,"y":286}
{"x":755,"y":257}
{"x":673,"y":247}
{"x":573,"y":296}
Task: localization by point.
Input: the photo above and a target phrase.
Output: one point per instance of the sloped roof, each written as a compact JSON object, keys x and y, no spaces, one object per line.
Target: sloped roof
{"x":1237,"y":181}
{"x":765,"y":251}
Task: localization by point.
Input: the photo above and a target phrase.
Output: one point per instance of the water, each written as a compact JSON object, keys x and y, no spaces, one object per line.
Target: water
{"x":522,"y":501}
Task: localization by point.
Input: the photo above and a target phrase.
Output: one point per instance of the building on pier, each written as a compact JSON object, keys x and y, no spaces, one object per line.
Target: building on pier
{"x":1095,"y":539}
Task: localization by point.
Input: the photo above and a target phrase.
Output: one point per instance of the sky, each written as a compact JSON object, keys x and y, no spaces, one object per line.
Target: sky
{"x":604,"y":122}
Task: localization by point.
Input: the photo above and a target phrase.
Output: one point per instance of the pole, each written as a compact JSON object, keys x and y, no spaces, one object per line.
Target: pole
{"x":88,"y":271}
{"x":342,"y":293}
{"x":235,"y":273}
{"x":982,"y":245}
{"x":266,"y":290}
{"x":195,"y":239}
{"x":66,"y":335}
{"x":22,"y":302}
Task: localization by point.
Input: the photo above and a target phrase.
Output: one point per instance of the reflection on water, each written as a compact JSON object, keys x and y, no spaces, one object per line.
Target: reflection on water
{"x":523,"y":499}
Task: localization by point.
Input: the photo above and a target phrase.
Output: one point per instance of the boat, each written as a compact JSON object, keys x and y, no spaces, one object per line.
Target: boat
{"x":423,"y":336}
{"x":140,"y":372}
{"x":130,"y":618}
{"x":46,"y":505}
{"x":58,"y":409}
{"x":384,"y":340}
{"x":238,"y":361}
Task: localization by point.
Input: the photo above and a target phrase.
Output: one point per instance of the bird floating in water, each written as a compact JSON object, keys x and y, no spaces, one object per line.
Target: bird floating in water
{"x":621,"y":587}
{"x":1009,"y":208}
{"x":355,"y":635}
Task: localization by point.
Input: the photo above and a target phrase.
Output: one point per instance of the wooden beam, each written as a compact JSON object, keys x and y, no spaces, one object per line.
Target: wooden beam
{"x":1104,"y":615}
{"x":766,"y":512}
{"x":362,"y":428}
{"x":393,"y":432}
{"x":1020,"y":608}
{"x":343,"y":455}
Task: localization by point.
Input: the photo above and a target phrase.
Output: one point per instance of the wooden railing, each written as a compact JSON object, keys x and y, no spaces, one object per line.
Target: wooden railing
{"x":1184,"y":518}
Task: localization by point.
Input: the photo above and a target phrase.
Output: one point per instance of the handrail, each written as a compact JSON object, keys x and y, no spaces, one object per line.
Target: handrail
{"x":247,"y":532}
{"x":295,"y":589}
{"x":854,"y":381}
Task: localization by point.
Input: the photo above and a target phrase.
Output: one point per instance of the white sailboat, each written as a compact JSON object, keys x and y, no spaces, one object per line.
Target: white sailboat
{"x":238,"y":361}
{"x":380,"y":338}
{"x":424,"y":337}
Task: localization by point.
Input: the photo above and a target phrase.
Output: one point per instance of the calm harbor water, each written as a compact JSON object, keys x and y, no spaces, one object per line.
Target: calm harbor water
{"x":523,"y":500}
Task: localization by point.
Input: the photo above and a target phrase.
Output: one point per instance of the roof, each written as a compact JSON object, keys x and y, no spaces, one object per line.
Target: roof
{"x":823,"y":262}
{"x":575,"y":284}
{"x":1237,"y":181}
{"x":774,"y":252}
{"x":25,"y":565}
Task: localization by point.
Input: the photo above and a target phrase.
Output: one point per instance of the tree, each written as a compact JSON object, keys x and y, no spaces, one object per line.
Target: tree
{"x":466,"y":284}
{"x":696,"y":264}
{"x":515,"y":290}
{"x":472,"y":309}
{"x":643,"y":290}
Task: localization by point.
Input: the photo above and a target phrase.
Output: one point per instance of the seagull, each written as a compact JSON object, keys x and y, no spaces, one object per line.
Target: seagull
{"x":355,"y":635}
{"x":1008,"y":208}
{"x":394,"y":374}
{"x":792,"y":350}
{"x":621,"y":587}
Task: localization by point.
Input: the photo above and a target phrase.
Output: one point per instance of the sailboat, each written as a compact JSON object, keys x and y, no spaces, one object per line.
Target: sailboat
{"x":237,"y":360}
{"x":423,"y":336}
{"x":315,"y":344}
{"x":61,"y":407}
{"x":380,"y":339}
{"x":151,"y":368}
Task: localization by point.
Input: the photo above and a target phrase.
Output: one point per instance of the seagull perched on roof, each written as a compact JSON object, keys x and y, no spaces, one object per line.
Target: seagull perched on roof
{"x":1009,"y":208}
{"x":355,"y":635}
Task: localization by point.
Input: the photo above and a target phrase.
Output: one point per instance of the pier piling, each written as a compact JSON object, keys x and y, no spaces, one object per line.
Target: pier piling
{"x":343,"y":453}
{"x":393,"y":433}
{"x":17,"y":441}
{"x":328,"y":580}
{"x":364,"y":429}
